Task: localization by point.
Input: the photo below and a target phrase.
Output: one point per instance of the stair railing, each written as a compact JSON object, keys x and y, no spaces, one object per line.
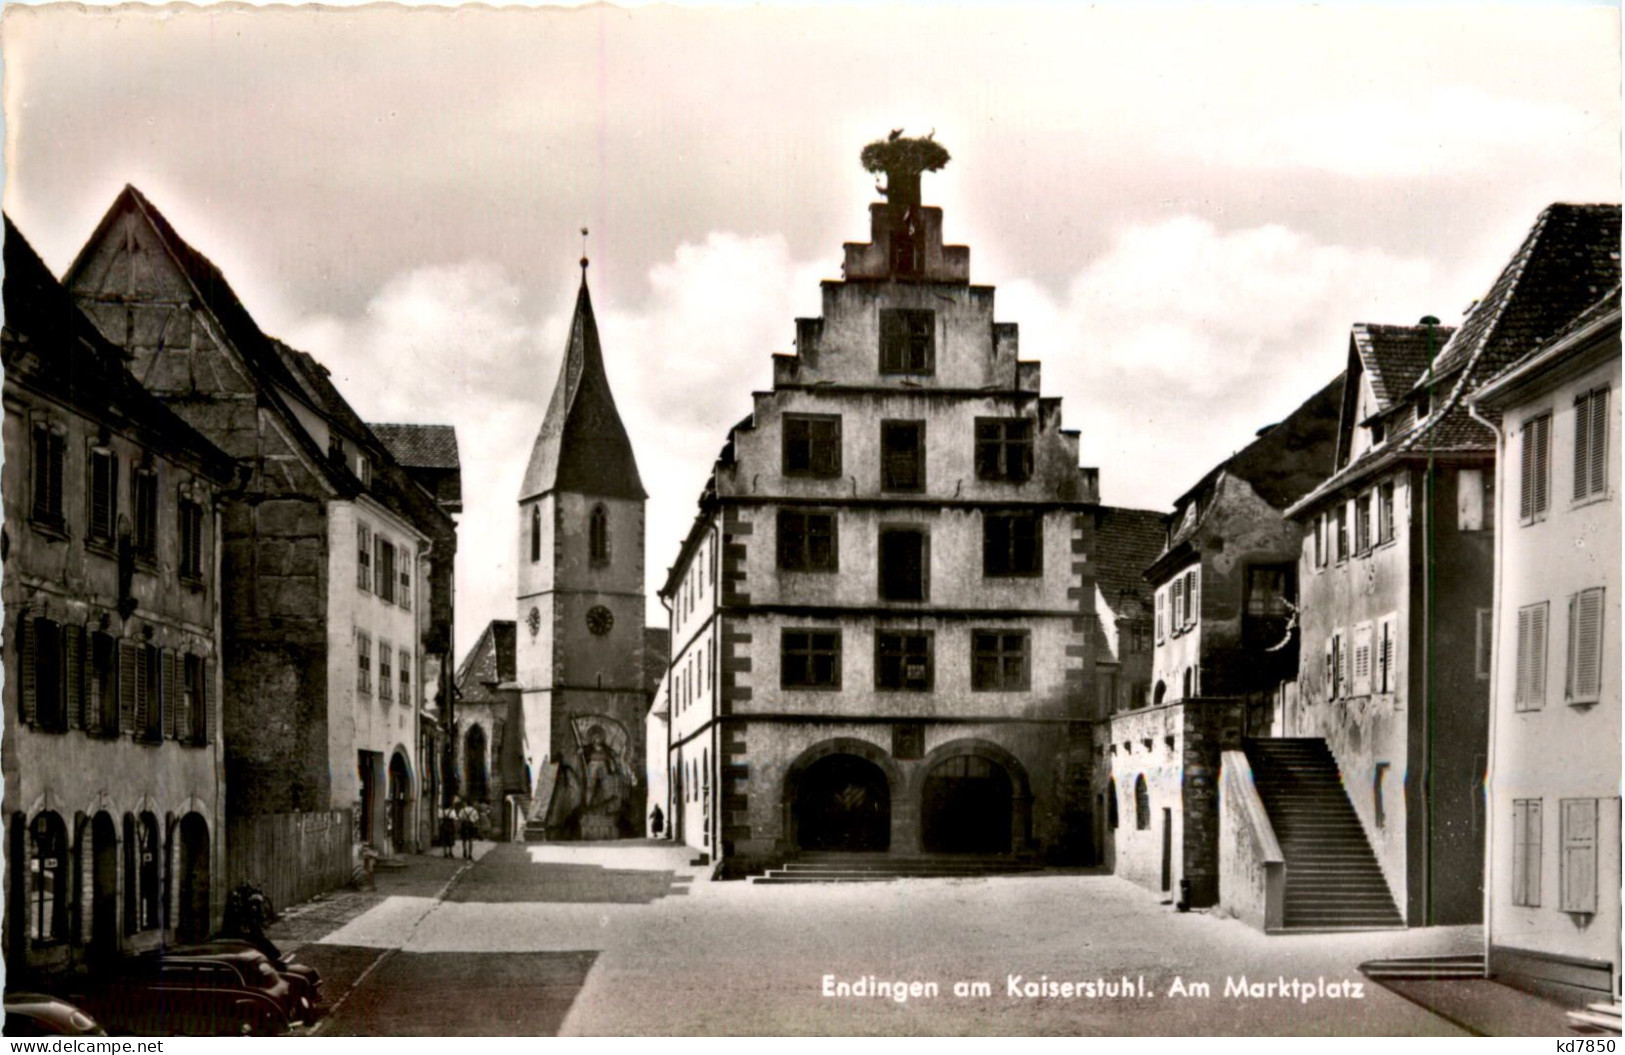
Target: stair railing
{"x":1252,"y":869}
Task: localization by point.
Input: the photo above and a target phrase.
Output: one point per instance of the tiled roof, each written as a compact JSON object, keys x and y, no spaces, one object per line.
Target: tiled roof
{"x":1569,"y":259}
{"x":77,"y":362}
{"x":1396,"y":357}
{"x":489,"y":664}
{"x":210,"y":283}
{"x":420,"y":446}
{"x":1126,"y":543}
{"x":1281,"y":466}
{"x":656,"y":656}
{"x":582,"y":446}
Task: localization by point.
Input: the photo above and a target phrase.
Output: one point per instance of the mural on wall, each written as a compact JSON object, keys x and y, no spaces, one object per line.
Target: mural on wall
{"x":599,"y":788}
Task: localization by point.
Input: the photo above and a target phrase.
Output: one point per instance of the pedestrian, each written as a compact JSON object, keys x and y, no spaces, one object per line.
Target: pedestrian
{"x":657,"y":822}
{"x":448,"y":827}
{"x":468,"y":821}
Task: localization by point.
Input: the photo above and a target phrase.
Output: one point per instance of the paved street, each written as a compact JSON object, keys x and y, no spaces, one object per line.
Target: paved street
{"x":628,"y":939}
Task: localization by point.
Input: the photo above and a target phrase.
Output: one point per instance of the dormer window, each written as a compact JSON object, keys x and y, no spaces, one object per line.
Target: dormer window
{"x":907,"y":341}
{"x":1424,"y":405}
{"x":363,"y":470}
{"x":1379,"y":432}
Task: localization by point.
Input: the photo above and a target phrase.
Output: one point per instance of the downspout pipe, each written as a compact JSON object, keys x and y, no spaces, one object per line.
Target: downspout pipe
{"x":1495,"y":681}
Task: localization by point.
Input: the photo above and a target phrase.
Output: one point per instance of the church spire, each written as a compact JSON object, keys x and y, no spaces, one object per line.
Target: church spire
{"x":582,"y":446}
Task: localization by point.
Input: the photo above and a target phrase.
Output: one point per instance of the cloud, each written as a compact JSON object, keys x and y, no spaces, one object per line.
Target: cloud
{"x":463,"y":344}
{"x":1450,"y":130}
{"x":1174,"y":345}
{"x":1170,"y":349}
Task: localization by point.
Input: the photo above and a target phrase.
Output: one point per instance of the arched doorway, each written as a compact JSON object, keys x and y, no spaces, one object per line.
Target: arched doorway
{"x":192,"y":901}
{"x":103,"y":886}
{"x":965,"y":806}
{"x":400,"y":797}
{"x":842,"y":802}
{"x":479,"y":783}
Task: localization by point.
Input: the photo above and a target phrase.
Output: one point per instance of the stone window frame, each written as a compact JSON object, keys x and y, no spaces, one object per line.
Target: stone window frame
{"x":101,"y":532}
{"x":882,"y":533}
{"x":386,"y":673}
{"x":908,"y":342}
{"x":1000,"y":551}
{"x":903,"y":651}
{"x":48,"y":474}
{"x":793,"y":557}
{"x":889,"y":458}
{"x":823,"y":453}
{"x":996,"y":450}
{"x":991,"y":645}
{"x":804,"y":645}
{"x":144,"y":492}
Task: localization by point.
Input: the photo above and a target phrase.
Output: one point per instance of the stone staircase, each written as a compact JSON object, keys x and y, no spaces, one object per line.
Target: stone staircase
{"x":1596,"y":1018}
{"x":1427,"y":968}
{"x":1333,"y":881}
{"x":835,"y":867}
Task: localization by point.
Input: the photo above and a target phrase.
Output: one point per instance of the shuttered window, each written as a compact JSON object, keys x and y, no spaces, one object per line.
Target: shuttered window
{"x":1384,"y":658}
{"x":363,"y":557}
{"x":1362,"y":660}
{"x":1536,"y":468}
{"x":1193,"y":598}
{"x":1591,"y":444}
{"x":50,"y":447}
{"x":1484,"y":636}
{"x":101,"y":715}
{"x":1584,"y":682}
{"x":73,"y":656}
{"x":190,"y":519}
{"x":1526,"y":825}
{"x":385,"y":570}
{"x":103,"y":495}
{"x":144,"y":486}
{"x":174,"y":721}
{"x":1176,"y":603}
{"x":1578,"y":865}
{"x":128,"y":665}
{"x":1530,"y":686}
{"x":1385,"y":512}
{"x":1342,"y":531}
{"x":1162,"y":613}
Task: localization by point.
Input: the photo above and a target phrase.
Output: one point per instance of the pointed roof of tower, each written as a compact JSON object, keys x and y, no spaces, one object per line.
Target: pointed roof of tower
{"x":582,"y":446}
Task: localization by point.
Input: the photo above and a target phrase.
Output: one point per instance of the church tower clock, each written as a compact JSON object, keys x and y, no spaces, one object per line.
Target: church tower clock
{"x":580,"y":605}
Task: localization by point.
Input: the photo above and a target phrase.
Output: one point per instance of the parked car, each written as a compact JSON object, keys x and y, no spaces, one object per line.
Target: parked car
{"x":38,"y":1015}
{"x":167,"y":993}
{"x":305,"y":979}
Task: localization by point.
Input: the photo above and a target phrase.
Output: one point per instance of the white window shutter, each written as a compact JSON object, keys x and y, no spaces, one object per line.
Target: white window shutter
{"x":1543,"y":462}
{"x":1582,"y":446}
{"x":1362,"y":660}
{"x":1579,"y":861}
{"x":1537,"y":654}
{"x":1598,"y":447}
{"x":1583,"y":683}
{"x":1193,"y":597}
{"x":1162,"y":614}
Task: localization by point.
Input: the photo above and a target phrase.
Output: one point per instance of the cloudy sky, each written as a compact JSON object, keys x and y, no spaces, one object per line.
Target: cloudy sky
{"x":1184,"y":209}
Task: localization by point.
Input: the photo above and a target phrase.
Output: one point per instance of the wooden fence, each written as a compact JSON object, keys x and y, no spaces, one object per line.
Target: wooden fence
{"x":291,"y":856}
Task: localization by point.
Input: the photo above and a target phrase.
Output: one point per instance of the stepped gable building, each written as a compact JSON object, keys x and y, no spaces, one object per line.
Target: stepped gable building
{"x":1396,"y":573}
{"x":326,"y":547}
{"x":581,"y":641}
{"x":1223,"y":585}
{"x":880,"y":635}
{"x":112,"y":748}
{"x":1554,"y":769}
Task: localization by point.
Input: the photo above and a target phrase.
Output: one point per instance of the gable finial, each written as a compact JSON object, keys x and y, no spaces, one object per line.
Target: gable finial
{"x":583,"y":252}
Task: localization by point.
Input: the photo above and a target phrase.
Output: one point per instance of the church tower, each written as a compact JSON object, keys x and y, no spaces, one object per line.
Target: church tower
{"x":581,"y":605}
